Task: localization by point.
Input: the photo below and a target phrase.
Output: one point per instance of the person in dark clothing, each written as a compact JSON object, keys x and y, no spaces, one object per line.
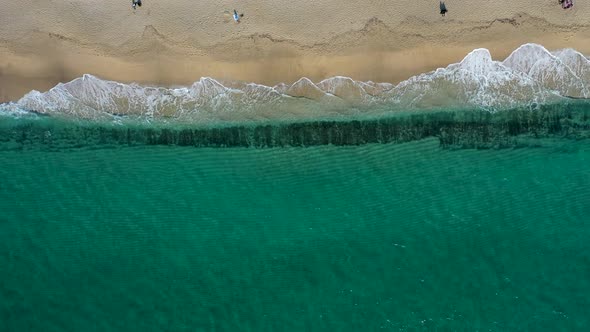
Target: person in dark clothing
{"x":443,"y":8}
{"x":135,"y":3}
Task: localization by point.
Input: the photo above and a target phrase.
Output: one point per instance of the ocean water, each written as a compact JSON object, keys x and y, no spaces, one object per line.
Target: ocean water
{"x":458,"y":200}
{"x":404,"y":237}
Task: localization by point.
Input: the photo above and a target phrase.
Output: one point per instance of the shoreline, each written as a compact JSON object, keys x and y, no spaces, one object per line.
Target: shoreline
{"x":376,"y":51}
{"x":453,"y":129}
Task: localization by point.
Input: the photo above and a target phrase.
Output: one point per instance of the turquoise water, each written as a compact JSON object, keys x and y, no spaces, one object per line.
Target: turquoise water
{"x":403,"y":237}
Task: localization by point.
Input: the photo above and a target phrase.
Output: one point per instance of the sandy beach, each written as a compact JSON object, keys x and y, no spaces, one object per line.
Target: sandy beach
{"x":173,"y":43}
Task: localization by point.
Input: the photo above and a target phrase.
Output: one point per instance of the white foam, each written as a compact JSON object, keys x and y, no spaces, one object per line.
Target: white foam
{"x":547,"y":70}
{"x":576,"y":62}
{"x":531,"y":74}
{"x":475,"y":81}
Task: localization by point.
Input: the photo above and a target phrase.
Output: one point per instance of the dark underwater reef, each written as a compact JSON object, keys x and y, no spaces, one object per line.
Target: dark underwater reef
{"x":454,"y":129}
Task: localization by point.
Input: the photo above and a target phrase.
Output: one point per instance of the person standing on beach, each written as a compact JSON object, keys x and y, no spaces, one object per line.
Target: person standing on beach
{"x":135,"y":3}
{"x":443,"y":8}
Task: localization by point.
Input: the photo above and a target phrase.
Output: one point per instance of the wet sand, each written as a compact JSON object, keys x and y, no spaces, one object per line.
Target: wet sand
{"x":174,"y":43}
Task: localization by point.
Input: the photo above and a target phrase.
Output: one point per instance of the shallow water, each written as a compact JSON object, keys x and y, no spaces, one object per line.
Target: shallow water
{"x":531,"y":75}
{"x":407,"y":237}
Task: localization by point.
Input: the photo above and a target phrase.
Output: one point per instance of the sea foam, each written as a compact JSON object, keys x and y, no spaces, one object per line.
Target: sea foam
{"x":530,"y":75}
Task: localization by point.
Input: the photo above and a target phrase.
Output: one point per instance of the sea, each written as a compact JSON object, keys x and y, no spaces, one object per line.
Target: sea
{"x":353,"y":206}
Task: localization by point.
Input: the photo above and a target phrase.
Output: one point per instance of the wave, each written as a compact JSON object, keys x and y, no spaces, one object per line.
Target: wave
{"x":530,"y":75}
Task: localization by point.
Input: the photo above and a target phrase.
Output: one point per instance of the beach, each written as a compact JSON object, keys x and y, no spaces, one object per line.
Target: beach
{"x":174,"y":43}
{"x":319,"y":166}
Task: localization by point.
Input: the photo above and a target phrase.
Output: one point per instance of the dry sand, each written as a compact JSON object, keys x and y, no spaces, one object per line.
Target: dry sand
{"x":175,"y":42}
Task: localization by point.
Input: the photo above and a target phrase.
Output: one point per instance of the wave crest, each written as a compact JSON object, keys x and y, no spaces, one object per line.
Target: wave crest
{"x":531,"y":74}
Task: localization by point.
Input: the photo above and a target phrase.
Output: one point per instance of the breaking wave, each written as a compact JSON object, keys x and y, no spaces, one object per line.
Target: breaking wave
{"x":530,"y":75}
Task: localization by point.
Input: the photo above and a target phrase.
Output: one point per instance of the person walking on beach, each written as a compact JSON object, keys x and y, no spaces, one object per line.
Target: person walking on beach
{"x":135,"y":3}
{"x":443,"y":8}
{"x":237,"y":16}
